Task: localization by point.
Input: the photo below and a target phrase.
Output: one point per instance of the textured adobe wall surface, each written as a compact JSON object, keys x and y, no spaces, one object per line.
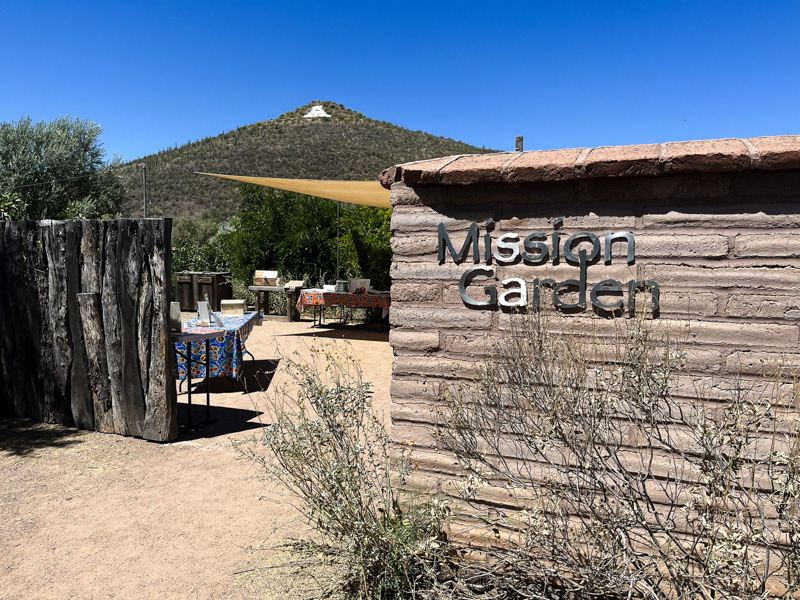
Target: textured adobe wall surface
{"x":724,"y":248}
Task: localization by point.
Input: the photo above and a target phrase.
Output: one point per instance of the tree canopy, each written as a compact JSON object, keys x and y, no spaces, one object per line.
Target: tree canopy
{"x":57,"y":169}
{"x":297,"y":235}
{"x":292,"y":233}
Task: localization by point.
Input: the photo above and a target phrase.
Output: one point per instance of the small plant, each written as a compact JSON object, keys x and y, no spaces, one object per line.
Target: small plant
{"x":329,"y":449}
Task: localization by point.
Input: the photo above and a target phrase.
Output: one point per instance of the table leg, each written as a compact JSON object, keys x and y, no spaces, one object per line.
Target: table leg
{"x":258,"y":301}
{"x":208,"y":383}
{"x":189,"y":379}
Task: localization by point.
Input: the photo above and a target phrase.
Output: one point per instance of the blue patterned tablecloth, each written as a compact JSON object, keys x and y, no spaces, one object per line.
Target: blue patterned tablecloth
{"x":226,"y":351}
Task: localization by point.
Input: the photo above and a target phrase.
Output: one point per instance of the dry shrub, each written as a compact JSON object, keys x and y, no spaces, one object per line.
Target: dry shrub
{"x":617,"y":487}
{"x":326,"y":446}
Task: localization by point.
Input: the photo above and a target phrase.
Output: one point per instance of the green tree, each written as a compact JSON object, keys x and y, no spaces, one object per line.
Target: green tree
{"x":293,"y":233}
{"x":12,"y":208}
{"x":58,"y":169}
{"x":369,"y":229}
{"x":197,"y":245}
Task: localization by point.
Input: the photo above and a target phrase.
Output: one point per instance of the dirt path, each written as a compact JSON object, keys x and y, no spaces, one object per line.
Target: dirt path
{"x":88,"y":515}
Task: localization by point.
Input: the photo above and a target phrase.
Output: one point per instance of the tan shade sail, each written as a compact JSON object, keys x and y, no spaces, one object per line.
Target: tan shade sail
{"x":368,"y":193}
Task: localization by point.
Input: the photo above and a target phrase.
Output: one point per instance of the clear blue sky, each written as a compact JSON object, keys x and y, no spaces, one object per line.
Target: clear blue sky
{"x":563,"y":74}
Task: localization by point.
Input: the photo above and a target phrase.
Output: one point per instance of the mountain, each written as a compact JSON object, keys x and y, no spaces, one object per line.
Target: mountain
{"x":345,"y":145}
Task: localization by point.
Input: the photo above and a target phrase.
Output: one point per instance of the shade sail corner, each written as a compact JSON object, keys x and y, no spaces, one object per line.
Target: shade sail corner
{"x":365,"y":193}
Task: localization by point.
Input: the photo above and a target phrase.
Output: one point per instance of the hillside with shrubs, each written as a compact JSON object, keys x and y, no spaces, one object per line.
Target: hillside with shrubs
{"x":348,"y":146}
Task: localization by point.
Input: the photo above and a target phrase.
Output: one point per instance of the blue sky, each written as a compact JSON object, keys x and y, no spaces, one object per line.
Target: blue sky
{"x":563,"y":74}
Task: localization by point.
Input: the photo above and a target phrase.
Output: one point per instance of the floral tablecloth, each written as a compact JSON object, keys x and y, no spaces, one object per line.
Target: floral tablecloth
{"x":226,"y":351}
{"x":320,"y":298}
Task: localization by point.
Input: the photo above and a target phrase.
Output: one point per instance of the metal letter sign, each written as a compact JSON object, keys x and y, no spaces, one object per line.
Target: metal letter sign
{"x":466,"y":279}
{"x":605,"y":298}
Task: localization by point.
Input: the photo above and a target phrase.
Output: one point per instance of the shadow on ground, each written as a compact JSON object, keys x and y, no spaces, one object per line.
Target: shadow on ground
{"x":216,"y":420}
{"x":347,"y":332}
{"x":24,"y":436}
{"x":224,"y":420}
{"x":256,"y":377}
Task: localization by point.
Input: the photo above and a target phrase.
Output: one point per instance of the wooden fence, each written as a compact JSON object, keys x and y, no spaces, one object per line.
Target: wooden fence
{"x":84,"y":328}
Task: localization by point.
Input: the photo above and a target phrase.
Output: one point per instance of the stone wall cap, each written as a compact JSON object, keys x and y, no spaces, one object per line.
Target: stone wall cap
{"x":700,"y":156}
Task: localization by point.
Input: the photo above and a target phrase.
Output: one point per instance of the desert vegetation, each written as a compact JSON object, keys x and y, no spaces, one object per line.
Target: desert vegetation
{"x":582,"y":469}
{"x":331,"y":451}
{"x":348,"y":146}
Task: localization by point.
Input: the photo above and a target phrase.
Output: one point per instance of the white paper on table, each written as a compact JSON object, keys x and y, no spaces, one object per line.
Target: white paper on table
{"x":203,"y":314}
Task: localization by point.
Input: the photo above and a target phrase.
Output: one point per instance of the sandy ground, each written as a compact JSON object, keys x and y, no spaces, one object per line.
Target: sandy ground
{"x":89,"y":515}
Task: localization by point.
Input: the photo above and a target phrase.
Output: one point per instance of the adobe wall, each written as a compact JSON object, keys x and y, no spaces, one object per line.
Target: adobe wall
{"x":716,"y":226}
